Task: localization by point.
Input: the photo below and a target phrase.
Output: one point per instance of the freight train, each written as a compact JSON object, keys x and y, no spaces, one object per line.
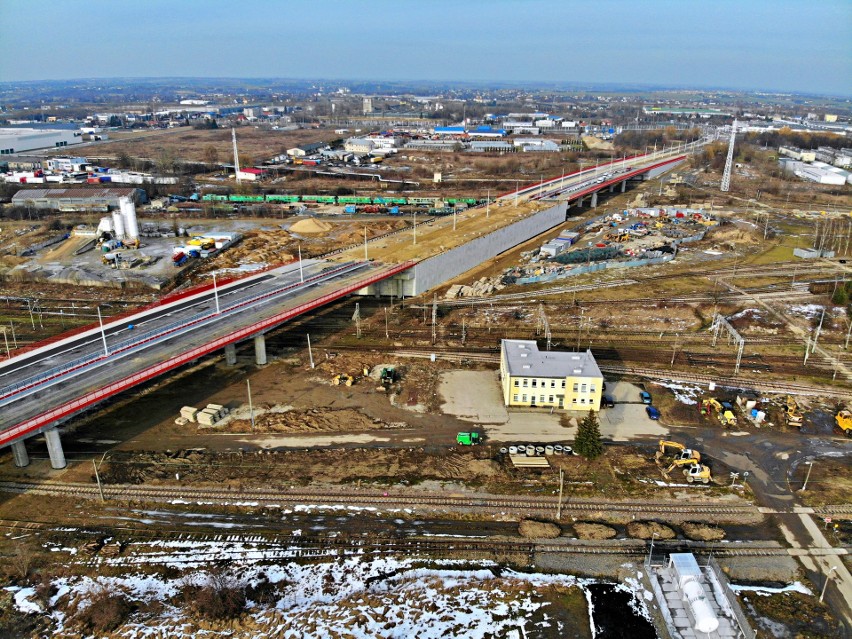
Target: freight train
{"x":344,"y":199}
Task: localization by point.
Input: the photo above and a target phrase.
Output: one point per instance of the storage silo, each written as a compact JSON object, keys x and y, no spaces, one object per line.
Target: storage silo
{"x":105,"y":225}
{"x":118,"y":224}
{"x":131,"y":225}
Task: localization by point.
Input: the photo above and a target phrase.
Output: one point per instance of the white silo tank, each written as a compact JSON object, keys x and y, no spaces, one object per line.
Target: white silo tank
{"x":105,"y":225}
{"x":131,"y":225}
{"x":705,"y":619}
{"x":118,"y":224}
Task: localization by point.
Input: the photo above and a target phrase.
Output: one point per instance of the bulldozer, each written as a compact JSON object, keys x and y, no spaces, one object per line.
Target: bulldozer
{"x":343,"y":380}
{"x":844,"y":421}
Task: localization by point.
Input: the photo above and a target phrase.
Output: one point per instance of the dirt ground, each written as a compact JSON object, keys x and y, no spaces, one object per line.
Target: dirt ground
{"x":186,"y":143}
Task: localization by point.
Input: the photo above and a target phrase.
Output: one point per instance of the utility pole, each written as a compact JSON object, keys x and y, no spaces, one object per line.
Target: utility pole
{"x":251,"y":407}
{"x":387,"y":334}
{"x":103,"y":334}
{"x":434,"y":319}
{"x":236,"y":156}
{"x":98,"y":479}
{"x":216,"y":293}
{"x":356,"y":317}
{"x":310,"y":352}
{"x":561,"y":485}
{"x":488,"y":204}
{"x":366,"y":259}
{"x":301,"y":273}
{"x":819,"y":328}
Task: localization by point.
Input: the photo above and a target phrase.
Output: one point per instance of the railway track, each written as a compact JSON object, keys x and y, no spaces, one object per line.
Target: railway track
{"x":371,"y":498}
{"x":269,"y":544}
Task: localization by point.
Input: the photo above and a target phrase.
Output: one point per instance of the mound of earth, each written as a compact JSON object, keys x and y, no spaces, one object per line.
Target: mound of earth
{"x":301,"y":421}
{"x":593,"y":531}
{"x":647,"y":529}
{"x":532,"y":529}
{"x":310,"y":226}
{"x":702,"y":532}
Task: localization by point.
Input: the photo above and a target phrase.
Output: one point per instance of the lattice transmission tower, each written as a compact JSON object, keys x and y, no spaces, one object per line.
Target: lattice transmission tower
{"x":729,"y":163}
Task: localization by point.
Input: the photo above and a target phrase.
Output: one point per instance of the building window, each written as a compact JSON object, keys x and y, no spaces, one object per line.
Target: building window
{"x":514,"y":398}
{"x":541,"y":399}
{"x":563,"y":383}
{"x":576,"y":387}
{"x":583,"y":388}
{"x":534,"y":383}
{"x":517,"y":383}
{"x":582,"y":400}
{"x":525,"y":382}
{"x":553,"y":383}
{"x":523,"y":398}
{"x":574,"y":400}
{"x":592,"y":388}
{"x":550,"y":399}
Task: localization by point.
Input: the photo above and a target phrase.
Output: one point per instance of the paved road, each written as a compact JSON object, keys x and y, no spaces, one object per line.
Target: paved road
{"x":162,"y":334}
{"x":771,"y":462}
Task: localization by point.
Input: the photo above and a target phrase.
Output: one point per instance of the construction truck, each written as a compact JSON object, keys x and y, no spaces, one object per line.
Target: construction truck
{"x":682,"y":452}
{"x":468,"y":439}
{"x":343,"y":380}
{"x":792,"y":412}
{"x":708,"y":404}
{"x":844,"y":421}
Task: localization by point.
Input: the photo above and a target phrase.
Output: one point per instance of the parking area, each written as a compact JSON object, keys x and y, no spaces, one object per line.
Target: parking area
{"x":475,"y":396}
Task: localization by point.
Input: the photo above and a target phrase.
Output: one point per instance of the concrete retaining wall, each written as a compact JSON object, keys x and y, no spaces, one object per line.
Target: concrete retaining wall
{"x":439,"y":269}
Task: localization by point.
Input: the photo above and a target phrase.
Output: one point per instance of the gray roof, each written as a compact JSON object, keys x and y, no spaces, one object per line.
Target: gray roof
{"x":523,"y":359}
{"x":96,"y":193}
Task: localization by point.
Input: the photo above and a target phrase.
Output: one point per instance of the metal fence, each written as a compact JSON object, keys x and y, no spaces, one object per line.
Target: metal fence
{"x":715,"y":570}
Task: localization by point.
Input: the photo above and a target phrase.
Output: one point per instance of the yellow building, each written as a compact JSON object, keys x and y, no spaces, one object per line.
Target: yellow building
{"x":531,"y":377}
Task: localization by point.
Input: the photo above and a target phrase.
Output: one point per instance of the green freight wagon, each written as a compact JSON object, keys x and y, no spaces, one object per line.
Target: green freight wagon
{"x":282,"y":198}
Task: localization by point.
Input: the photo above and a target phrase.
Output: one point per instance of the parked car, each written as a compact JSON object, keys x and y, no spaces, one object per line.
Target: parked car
{"x":646,"y":397}
{"x":653,"y":413}
{"x":606,"y":402}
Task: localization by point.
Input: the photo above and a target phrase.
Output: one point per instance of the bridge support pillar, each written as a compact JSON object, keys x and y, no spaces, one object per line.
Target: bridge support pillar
{"x":230,"y":354}
{"x":19,"y":453}
{"x":612,"y":188}
{"x":580,"y":202}
{"x":623,"y":186}
{"x":594,"y":204}
{"x":54,"y":449}
{"x":260,"y":349}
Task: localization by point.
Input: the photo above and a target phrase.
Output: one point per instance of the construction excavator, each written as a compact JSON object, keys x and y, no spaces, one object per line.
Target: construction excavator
{"x":844,"y":421}
{"x":682,"y":452}
{"x":685,"y":458}
{"x":792,"y":412}
{"x":725,"y":414}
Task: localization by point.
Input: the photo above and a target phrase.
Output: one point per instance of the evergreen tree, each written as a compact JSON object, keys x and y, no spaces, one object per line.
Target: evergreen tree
{"x":588,"y":440}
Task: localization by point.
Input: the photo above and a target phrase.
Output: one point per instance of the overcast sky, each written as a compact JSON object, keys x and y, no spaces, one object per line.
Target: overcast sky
{"x":750,"y":44}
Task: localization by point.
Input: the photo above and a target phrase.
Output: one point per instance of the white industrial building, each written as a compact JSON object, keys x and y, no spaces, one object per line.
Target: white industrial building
{"x":66,"y":164}
{"x":358,"y":145}
{"x":825,"y":174}
{"x":22,"y":140}
{"x":796,"y":153}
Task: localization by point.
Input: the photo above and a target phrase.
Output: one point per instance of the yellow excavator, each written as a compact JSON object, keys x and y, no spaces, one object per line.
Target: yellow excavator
{"x":685,"y":458}
{"x":844,"y":421}
{"x":682,"y":452}
{"x":792,"y":412}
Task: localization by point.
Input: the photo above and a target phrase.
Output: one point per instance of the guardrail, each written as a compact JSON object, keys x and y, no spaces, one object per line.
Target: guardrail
{"x":81,"y":403}
{"x":144,"y":338}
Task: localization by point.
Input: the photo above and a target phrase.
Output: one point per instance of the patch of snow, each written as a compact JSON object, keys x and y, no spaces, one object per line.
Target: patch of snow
{"x":683,"y":393}
{"x":765,"y":591}
{"x":807,"y":310}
